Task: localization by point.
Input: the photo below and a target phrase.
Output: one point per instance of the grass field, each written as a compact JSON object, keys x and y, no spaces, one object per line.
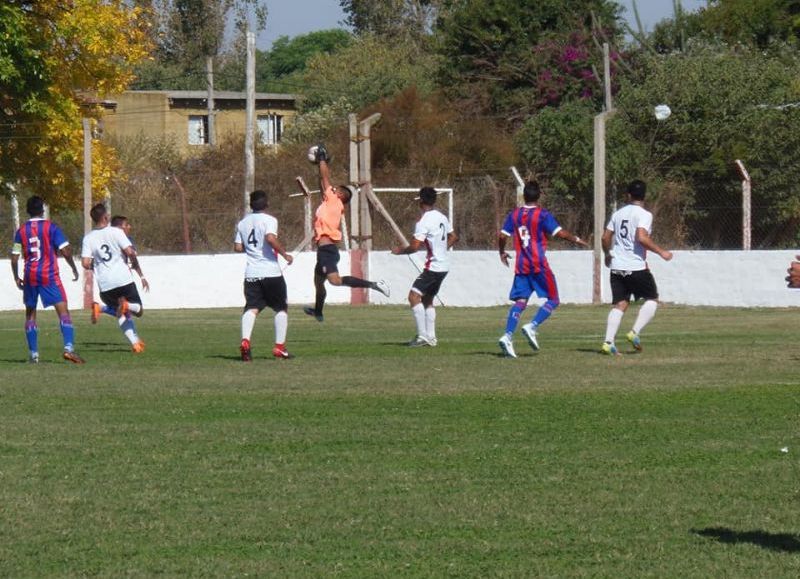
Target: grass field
{"x":363,"y":458}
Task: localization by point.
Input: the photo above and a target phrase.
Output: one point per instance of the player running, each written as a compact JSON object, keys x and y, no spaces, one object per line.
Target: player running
{"x":327,"y":234}
{"x":264,"y":285}
{"x":436,"y":233}
{"x":528,"y":226}
{"x":40,"y":241}
{"x":104,"y":251}
{"x":625,"y":244}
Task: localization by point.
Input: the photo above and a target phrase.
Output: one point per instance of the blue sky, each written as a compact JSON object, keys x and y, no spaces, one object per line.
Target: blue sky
{"x":294,"y":17}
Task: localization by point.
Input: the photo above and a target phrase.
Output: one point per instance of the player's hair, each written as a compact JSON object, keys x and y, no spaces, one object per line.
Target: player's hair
{"x":98,"y":212}
{"x":258,"y":200}
{"x":118,"y":220}
{"x":427,"y":195}
{"x":531,"y":192}
{"x":348,"y":193}
{"x":637,"y":189}
{"x":35,"y":206}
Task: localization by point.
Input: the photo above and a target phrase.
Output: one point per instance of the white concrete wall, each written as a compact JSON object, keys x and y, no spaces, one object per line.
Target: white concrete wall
{"x":477,"y":278}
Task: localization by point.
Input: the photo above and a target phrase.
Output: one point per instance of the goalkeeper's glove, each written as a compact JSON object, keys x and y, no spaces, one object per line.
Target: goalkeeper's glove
{"x":322,"y":154}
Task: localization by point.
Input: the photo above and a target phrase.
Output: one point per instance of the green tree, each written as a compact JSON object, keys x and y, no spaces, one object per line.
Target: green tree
{"x":366,"y":71}
{"x":498,"y":53}
{"x":278,"y":68}
{"x":392,"y":18}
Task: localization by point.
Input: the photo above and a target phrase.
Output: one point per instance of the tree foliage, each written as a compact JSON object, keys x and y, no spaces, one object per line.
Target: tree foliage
{"x":366,"y":71}
{"x":59,"y":57}
{"x":514,"y":56}
{"x":392,"y":18}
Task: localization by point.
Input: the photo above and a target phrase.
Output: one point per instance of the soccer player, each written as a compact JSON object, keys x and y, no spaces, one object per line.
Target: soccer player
{"x":327,"y":234}
{"x":40,"y":241}
{"x":104,"y":250}
{"x":264,"y":285}
{"x":124,"y":224}
{"x":434,"y":230}
{"x":529,"y":226}
{"x":626,"y":241}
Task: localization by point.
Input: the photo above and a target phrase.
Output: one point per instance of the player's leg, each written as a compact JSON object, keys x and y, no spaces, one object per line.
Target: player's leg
{"x":645,"y":287}
{"x":418,"y":312}
{"x":545,"y":286}
{"x":254,"y":303}
{"x":275,"y":294}
{"x":128,"y":304}
{"x":619,"y":296}
{"x":430,"y":319}
{"x":521,"y":291}
{"x":32,"y":333}
{"x":352,"y":281}
{"x":327,"y":258}
{"x":67,"y":333}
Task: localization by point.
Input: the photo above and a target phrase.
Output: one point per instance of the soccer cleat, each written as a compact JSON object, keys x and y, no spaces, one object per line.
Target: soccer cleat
{"x":33,"y":358}
{"x":383,"y":287}
{"x":138,"y":347}
{"x":419,"y":341}
{"x":635,"y":340}
{"x":309,"y":311}
{"x":122,"y":310}
{"x":530,"y":334}
{"x":73,"y":357}
{"x":281,"y":353}
{"x":609,"y":349}
{"x":433,"y":342}
{"x":507,"y":346}
{"x":244,"y":350}
{"x":95,"y":312}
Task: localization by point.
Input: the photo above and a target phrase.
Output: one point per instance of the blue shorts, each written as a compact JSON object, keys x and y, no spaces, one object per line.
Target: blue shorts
{"x":50,"y":295}
{"x":543,"y":283}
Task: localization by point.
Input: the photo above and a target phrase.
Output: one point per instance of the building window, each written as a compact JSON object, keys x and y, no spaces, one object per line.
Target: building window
{"x":270,"y":128}
{"x":198,"y":129}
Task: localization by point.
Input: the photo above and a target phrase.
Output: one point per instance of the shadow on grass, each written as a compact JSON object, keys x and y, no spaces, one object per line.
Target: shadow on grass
{"x":773,"y":541}
{"x":103,"y":347}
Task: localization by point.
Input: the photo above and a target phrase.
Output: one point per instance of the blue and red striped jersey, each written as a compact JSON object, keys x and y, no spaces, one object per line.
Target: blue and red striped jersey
{"x":529,"y":226}
{"x":38,"y":241}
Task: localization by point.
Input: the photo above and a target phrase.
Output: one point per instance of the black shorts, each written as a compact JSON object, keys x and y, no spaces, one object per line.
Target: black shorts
{"x":428,"y":282}
{"x":265,"y":292}
{"x":639,"y":283}
{"x":327,"y":260}
{"x":129,"y":292}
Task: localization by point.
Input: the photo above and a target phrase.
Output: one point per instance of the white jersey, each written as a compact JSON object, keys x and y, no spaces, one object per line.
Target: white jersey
{"x":628,"y":254}
{"x":105,"y":247}
{"x":262,"y":261}
{"x":432,"y":229}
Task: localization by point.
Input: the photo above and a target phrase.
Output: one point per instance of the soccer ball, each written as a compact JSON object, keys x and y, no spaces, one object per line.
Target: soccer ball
{"x":662,"y":112}
{"x":312,"y":154}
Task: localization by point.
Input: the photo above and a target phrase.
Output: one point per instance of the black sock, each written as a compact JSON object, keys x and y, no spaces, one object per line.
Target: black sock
{"x":351,"y":281}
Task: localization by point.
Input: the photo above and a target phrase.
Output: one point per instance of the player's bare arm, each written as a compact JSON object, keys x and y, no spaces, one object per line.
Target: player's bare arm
{"x":273,"y":242}
{"x":15,"y":270}
{"x":324,"y":174}
{"x":412,"y":247}
{"x":87,"y":263}
{"x":793,"y":278}
{"x":452,"y":239}
{"x":607,"y":242}
{"x":501,"y":246}
{"x":564,"y":234}
{"x":66,"y":253}
{"x":647,"y":242}
{"x":133,"y":259}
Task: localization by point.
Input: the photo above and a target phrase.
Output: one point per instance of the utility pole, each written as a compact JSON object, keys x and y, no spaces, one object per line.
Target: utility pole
{"x":600,"y":177}
{"x":212,"y":133}
{"x":88,"y":277}
{"x":250,"y":128}
{"x":746,"y":205}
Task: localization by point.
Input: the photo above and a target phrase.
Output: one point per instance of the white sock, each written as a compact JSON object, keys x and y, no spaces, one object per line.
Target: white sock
{"x":281,"y":327}
{"x":430,"y":322}
{"x":128,"y":329}
{"x":134,"y":308}
{"x":418,"y":312}
{"x":612,"y":327}
{"x":646,"y":314}
{"x":248,"y":323}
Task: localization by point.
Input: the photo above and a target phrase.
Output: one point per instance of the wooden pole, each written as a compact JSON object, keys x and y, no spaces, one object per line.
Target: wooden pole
{"x":746,"y":206}
{"x":355,"y":202}
{"x":212,"y":133}
{"x":88,"y":275}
